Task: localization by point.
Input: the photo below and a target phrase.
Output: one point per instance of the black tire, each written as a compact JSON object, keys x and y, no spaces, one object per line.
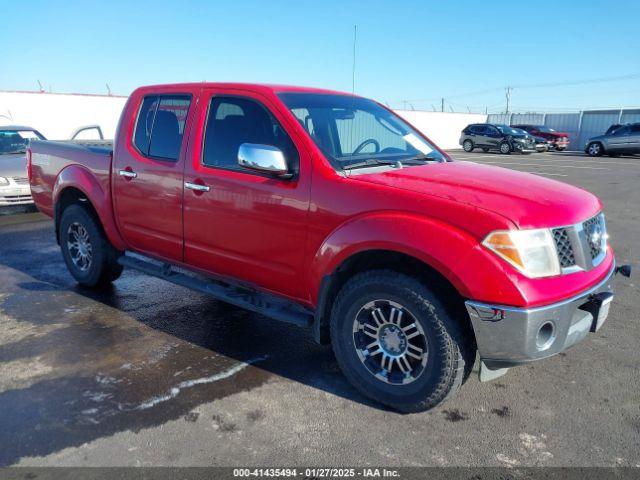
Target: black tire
{"x":103,"y":266}
{"x":468,"y":146}
{"x":485,"y":149}
{"x":450,"y":353}
{"x":504,"y":148}
{"x":560,"y":149}
{"x":595,"y":149}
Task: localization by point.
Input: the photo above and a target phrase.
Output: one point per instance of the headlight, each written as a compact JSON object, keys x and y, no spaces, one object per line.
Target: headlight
{"x":532,"y":252}
{"x":4,"y":182}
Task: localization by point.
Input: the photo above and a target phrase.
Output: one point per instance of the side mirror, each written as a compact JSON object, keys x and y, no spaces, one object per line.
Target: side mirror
{"x":263,"y":158}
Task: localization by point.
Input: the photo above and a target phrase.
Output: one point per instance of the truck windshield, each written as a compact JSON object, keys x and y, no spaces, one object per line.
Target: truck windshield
{"x":356,"y":131}
{"x":16,"y":141}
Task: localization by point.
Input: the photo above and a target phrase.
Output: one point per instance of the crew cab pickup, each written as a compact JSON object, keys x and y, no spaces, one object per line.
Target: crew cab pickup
{"x":328,"y":210}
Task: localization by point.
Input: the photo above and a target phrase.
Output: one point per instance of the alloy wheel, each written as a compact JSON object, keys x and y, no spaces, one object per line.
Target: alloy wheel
{"x":79,"y":246}
{"x":390,"y":342}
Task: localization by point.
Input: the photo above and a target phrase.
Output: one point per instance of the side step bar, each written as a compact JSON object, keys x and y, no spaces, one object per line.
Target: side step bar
{"x":259,"y":302}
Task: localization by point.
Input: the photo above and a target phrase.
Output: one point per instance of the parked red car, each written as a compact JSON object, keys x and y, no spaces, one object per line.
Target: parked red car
{"x":330,"y":211}
{"x":557,"y":140}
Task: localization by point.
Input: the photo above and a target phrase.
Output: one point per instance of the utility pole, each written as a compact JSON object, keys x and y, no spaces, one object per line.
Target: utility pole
{"x":442,"y":105}
{"x":508,"y":95}
{"x":353,"y":70}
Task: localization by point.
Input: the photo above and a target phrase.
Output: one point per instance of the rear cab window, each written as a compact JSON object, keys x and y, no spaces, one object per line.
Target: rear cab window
{"x":160,"y":126}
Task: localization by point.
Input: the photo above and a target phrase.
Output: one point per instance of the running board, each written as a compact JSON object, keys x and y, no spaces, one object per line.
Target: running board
{"x":259,"y":302}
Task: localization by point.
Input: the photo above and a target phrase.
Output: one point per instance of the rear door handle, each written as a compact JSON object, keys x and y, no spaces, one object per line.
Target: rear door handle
{"x":127,"y":173}
{"x":196,"y":186}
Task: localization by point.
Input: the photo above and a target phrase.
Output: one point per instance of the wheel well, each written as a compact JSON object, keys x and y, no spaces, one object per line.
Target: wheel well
{"x":388,"y":260}
{"x":71,"y":196}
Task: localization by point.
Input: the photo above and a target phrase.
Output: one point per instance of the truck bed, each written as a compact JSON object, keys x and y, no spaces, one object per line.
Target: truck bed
{"x":50,"y":158}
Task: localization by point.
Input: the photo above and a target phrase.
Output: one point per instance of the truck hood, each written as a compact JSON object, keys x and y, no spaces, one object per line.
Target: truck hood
{"x":529,"y":201}
{"x":13,"y":165}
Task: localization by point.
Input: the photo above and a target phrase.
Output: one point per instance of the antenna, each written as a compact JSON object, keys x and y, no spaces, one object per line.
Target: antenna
{"x":41,"y":87}
{"x":353,"y":70}
{"x":108,"y":89}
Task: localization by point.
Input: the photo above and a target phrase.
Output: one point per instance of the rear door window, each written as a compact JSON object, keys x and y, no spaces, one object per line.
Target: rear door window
{"x":160,"y":126}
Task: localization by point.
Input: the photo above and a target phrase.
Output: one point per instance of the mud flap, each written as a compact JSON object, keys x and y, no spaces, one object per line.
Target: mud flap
{"x":487,"y":374}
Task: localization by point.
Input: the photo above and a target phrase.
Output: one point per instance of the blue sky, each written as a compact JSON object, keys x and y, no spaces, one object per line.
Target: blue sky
{"x":406,"y":50}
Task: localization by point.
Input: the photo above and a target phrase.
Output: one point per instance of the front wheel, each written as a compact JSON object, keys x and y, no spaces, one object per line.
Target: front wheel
{"x":595,"y":149}
{"x":467,"y":145}
{"x":505,"y":148}
{"x":90,"y":257}
{"x":397,"y":343}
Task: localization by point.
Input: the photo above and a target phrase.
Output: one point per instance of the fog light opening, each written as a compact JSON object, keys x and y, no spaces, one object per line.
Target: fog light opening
{"x":546,"y":336}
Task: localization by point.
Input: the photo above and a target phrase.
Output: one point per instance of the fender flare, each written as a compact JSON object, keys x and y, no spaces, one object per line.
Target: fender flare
{"x":435,"y":243}
{"x":453,"y":253}
{"x":98,"y":195}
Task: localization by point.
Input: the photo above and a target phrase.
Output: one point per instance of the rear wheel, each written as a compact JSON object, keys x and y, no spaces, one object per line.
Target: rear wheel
{"x":89,"y":255}
{"x":595,"y":149}
{"x":467,"y":145}
{"x":396,"y":342}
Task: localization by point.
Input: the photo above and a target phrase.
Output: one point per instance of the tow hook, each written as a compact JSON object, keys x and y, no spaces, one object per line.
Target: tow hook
{"x":624,"y":270}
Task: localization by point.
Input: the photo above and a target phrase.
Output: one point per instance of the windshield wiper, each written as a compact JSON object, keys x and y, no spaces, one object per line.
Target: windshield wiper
{"x":370,"y":162}
{"x":422,"y":157}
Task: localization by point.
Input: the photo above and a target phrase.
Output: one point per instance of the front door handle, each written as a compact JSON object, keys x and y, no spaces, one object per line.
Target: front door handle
{"x":196,"y":186}
{"x":127,"y":173}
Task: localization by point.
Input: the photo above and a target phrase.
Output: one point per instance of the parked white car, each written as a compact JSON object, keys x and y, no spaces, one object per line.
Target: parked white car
{"x":14,"y":184}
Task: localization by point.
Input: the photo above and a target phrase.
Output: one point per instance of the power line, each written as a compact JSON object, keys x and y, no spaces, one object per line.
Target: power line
{"x":629,"y":76}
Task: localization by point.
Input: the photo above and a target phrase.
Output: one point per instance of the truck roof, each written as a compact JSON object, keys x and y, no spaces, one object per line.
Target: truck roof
{"x":263,"y":87}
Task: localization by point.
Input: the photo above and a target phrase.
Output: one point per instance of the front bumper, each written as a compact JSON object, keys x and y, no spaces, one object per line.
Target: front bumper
{"x":524,"y":147}
{"x":15,"y":195}
{"x":509,"y":336}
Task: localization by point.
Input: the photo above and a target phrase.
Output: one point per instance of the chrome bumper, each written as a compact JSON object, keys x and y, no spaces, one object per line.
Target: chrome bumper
{"x":15,"y":195}
{"x":508,"y":336}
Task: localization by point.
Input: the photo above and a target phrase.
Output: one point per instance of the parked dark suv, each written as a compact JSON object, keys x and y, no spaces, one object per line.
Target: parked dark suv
{"x":503,"y":138}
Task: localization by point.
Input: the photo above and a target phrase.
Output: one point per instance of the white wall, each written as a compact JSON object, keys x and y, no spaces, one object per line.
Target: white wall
{"x":57,"y":116}
{"x":442,"y":127}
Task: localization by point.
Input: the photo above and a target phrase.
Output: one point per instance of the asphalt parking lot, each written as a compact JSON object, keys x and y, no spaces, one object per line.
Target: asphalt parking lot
{"x":148,"y":373}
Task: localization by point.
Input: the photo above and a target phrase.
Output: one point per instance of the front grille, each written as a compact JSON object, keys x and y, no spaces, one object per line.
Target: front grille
{"x":594,"y":231}
{"x":21,"y":180}
{"x":563,"y":246}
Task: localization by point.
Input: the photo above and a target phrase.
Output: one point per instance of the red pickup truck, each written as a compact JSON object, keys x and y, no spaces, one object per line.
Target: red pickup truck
{"x":328,"y":210}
